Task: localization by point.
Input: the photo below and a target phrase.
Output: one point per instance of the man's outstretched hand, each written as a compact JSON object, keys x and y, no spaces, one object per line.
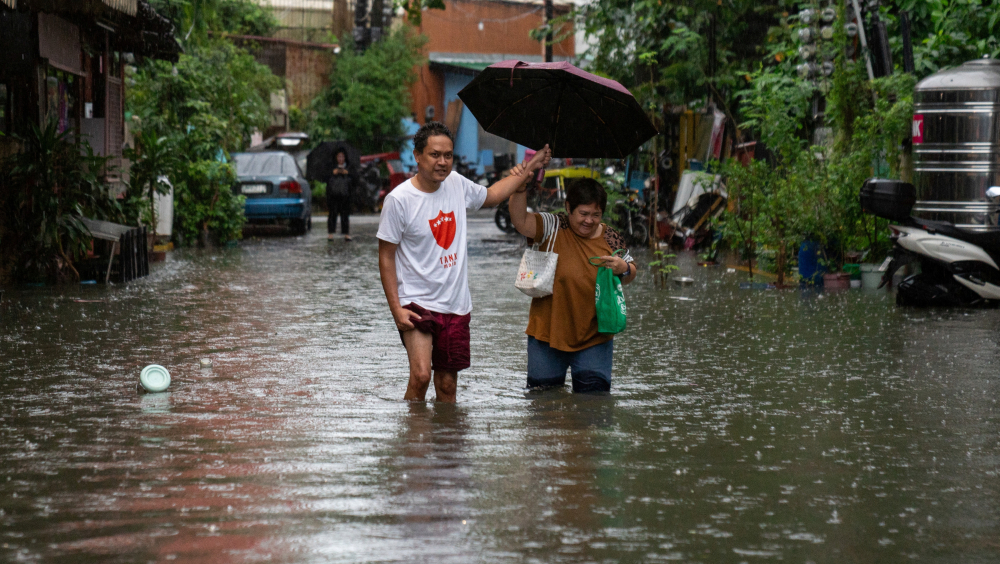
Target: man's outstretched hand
{"x":538,"y":160}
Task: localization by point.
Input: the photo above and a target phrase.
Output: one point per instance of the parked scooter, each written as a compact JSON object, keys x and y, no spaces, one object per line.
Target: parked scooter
{"x":956,"y":267}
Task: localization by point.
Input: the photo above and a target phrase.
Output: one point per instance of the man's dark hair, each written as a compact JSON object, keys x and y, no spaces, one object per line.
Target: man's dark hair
{"x":428,"y":130}
{"x":585,"y":191}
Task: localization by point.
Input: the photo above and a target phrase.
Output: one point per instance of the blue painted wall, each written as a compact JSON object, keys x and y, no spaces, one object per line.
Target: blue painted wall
{"x":410,"y":127}
{"x":467,"y":136}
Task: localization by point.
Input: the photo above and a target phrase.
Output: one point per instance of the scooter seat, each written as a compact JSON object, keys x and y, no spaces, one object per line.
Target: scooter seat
{"x":989,"y":241}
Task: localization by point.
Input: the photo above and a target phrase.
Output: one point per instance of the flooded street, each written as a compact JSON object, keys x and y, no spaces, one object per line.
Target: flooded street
{"x":742,"y":426}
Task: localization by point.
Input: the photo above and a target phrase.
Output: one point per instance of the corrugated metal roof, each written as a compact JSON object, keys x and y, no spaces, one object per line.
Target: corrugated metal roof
{"x":130,"y":7}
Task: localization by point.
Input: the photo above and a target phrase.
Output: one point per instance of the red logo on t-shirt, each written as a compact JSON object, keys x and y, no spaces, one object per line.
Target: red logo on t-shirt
{"x":443,"y":228}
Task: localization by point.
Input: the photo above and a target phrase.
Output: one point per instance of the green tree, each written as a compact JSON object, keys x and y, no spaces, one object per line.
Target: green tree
{"x":194,"y":19}
{"x":945,"y":33}
{"x":205,"y":106}
{"x":368,"y":94}
{"x":662,"y":50}
{"x":812,"y":191}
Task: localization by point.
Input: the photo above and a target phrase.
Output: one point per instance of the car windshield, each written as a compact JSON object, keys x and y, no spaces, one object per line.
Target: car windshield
{"x":265,"y":164}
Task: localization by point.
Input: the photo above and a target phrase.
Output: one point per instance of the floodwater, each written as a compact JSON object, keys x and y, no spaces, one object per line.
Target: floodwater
{"x":742,"y":426}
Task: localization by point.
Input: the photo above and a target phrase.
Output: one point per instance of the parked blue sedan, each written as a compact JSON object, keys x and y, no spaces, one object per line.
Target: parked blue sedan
{"x":275,"y":189}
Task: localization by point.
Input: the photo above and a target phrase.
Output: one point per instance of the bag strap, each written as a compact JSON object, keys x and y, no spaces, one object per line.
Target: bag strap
{"x":537,"y":241}
{"x":592,"y":259}
{"x":550,"y":224}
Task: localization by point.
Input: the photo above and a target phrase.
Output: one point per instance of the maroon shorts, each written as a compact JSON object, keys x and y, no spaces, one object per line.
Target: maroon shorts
{"x":451,"y":337}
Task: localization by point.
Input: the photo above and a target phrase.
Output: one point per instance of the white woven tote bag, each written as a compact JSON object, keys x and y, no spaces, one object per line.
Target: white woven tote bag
{"x":538,"y":268}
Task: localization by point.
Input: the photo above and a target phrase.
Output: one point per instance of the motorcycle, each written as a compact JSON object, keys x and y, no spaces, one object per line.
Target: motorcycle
{"x":957,"y":267}
{"x":502,"y":218}
{"x":631,"y":219}
{"x":468,"y":170}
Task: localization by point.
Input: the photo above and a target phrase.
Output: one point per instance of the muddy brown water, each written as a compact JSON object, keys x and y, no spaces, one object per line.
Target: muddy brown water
{"x":743,"y":426}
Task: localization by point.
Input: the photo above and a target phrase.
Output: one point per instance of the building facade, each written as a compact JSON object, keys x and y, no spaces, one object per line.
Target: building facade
{"x":64,"y":62}
{"x":463,"y":39}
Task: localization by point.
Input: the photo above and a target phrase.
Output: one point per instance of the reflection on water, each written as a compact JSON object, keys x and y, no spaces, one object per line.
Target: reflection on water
{"x":743,"y":426}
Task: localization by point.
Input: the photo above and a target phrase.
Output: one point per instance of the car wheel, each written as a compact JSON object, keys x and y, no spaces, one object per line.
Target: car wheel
{"x":298,"y":226}
{"x":309,"y":223}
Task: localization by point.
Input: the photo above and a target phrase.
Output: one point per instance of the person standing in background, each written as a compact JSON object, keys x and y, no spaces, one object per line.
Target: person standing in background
{"x":339,"y":187}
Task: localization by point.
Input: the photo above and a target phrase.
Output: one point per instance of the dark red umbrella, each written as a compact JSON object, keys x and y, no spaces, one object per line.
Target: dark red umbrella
{"x":577,"y":113}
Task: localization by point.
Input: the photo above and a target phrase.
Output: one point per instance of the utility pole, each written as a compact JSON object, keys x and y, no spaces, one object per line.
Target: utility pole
{"x":375,"y":30}
{"x":548,"y":33}
{"x":360,"y":31}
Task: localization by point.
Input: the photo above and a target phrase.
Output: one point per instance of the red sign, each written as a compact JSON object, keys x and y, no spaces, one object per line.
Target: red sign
{"x":443,"y":228}
{"x":918,"y":129}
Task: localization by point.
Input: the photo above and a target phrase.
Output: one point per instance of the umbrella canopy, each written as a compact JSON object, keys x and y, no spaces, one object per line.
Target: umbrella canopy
{"x":577,"y":113}
{"x":321,"y":159}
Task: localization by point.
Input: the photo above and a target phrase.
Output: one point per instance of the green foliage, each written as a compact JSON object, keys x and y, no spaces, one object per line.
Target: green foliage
{"x":946,"y":33}
{"x":414,"y":8}
{"x":318,"y":191}
{"x":661,"y":264}
{"x":152,"y":156}
{"x":210,"y":106}
{"x":50,"y":184}
{"x":194,"y":19}
{"x":203,"y":191}
{"x":217,"y":85}
{"x":298,"y":120}
{"x":368,"y":94}
{"x":660,"y":49}
{"x":662,"y":267}
{"x":812,"y":191}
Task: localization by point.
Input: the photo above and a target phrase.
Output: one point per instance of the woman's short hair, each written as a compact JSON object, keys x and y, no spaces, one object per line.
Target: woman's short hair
{"x":583,"y":191}
{"x":428,"y":130}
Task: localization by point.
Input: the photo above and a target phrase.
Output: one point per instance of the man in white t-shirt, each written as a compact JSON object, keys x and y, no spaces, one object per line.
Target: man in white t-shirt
{"x":422,"y":259}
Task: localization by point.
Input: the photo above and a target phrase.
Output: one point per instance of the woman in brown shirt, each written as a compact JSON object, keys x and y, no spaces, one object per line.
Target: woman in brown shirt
{"x":562,"y":327}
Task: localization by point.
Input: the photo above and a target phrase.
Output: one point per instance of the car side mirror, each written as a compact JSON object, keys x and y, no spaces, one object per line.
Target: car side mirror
{"x":993,"y":192}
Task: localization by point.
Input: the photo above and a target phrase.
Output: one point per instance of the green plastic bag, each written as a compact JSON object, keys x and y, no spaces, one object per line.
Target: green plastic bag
{"x":610,"y":302}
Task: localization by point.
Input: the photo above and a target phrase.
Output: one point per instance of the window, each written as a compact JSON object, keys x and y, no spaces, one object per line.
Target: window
{"x":265,"y":164}
{"x":61,"y":98}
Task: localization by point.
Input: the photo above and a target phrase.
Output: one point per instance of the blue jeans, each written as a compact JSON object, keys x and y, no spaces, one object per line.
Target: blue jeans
{"x":590,"y":367}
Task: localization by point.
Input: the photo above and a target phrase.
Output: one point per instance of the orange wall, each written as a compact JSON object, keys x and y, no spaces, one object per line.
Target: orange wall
{"x":456,"y":30}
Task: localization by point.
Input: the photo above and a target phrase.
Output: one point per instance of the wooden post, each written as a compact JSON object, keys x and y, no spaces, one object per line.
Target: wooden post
{"x":107,"y":275}
{"x":654,"y":226}
{"x":144,"y":253}
{"x":548,"y":35}
{"x":122,"y":257}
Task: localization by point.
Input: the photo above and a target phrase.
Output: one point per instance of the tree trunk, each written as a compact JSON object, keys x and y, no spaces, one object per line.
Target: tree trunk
{"x":781,"y":264}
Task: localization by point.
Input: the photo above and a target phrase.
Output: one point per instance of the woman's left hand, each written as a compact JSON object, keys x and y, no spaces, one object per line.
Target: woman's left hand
{"x":617,"y":265}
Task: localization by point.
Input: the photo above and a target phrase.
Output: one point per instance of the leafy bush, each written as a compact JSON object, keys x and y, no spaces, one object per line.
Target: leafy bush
{"x":368,"y":94}
{"x":211,"y":209}
{"x":206,"y":105}
{"x":812,"y":191}
{"x":197,"y":17}
{"x":47,"y":187}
